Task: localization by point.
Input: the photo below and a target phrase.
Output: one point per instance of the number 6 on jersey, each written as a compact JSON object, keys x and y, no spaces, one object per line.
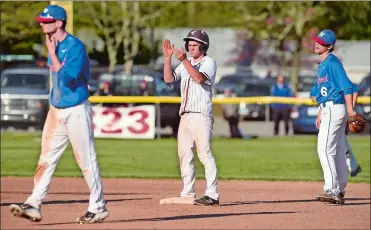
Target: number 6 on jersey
{"x":324,"y":91}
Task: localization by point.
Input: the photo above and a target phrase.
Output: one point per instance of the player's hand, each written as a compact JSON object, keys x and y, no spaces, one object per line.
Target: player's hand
{"x":351,"y":113}
{"x":318,"y":120}
{"x":50,"y":44}
{"x":180,"y":54}
{"x":167,"y":48}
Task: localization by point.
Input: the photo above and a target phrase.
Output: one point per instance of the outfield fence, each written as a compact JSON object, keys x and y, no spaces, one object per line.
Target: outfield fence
{"x":139,"y":122}
{"x":170,"y":100}
{"x":232,"y":100}
{"x":267,"y":100}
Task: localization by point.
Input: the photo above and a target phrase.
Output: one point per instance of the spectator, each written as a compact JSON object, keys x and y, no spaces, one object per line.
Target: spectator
{"x":230,"y":114}
{"x":144,"y":91}
{"x":281,"y":111}
{"x":106,"y":90}
{"x":41,"y":63}
{"x":269,"y":74}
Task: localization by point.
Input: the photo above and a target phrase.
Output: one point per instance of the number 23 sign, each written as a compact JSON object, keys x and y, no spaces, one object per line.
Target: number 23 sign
{"x":133,"y":122}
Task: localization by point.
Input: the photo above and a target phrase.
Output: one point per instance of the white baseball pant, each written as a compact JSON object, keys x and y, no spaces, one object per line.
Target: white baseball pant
{"x":331,"y":145}
{"x":72,"y":124}
{"x":196,"y":128}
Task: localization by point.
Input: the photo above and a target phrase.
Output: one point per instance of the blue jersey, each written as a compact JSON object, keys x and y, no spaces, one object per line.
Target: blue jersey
{"x":355,"y":89}
{"x":283,"y":91}
{"x":332,"y":82}
{"x":70,"y":82}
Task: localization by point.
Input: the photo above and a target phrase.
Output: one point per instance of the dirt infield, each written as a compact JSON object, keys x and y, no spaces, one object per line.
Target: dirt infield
{"x":134,"y":204}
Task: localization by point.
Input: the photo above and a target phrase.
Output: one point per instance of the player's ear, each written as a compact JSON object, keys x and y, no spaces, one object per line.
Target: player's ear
{"x":59,"y":23}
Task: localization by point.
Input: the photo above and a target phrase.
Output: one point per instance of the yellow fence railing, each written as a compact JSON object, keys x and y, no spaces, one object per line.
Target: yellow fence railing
{"x":233,"y":100}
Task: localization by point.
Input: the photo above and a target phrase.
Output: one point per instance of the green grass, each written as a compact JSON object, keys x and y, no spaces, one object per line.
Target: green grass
{"x":283,"y":158}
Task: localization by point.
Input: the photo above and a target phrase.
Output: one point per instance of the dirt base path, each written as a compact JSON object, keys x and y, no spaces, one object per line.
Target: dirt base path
{"x":134,"y":204}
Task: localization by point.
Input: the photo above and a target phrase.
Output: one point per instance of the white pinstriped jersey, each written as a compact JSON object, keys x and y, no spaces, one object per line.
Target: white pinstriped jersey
{"x":197,"y":98}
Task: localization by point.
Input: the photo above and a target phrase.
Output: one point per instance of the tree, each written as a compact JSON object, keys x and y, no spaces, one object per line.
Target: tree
{"x":107,"y":18}
{"x":142,"y":16}
{"x":121,"y":24}
{"x":19,"y":30}
{"x":278,"y":22}
{"x":354,"y":21}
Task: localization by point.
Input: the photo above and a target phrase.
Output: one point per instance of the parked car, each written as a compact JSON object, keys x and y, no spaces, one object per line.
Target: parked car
{"x":15,"y":61}
{"x":254,"y":111}
{"x":232,"y":81}
{"x":24,"y":97}
{"x":364,"y":85}
{"x":305,"y":85}
{"x":364,"y":91}
{"x":95,"y":79}
{"x":129,"y":85}
{"x":304,"y":118}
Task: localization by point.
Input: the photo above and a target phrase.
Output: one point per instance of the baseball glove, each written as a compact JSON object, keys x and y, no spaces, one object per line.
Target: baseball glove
{"x":356,"y":123}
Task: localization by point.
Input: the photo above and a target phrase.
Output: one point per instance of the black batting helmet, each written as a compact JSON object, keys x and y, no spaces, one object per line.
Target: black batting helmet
{"x":198,"y":36}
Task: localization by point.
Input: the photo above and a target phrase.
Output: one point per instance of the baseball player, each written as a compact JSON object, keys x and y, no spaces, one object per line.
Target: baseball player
{"x":197,"y":76}
{"x":69,"y":119}
{"x":334,"y":93}
{"x":352,"y":164}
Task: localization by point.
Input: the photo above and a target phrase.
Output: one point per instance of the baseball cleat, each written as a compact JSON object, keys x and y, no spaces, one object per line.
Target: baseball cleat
{"x":355,"y":172}
{"x":206,"y":200}
{"x":319,"y":197}
{"x":26,"y":211}
{"x":329,"y":198}
{"x":336,"y":200}
{"x":90,"y":217}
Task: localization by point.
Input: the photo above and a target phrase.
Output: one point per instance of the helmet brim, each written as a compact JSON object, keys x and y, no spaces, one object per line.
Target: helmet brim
{"x":194,"y":39}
